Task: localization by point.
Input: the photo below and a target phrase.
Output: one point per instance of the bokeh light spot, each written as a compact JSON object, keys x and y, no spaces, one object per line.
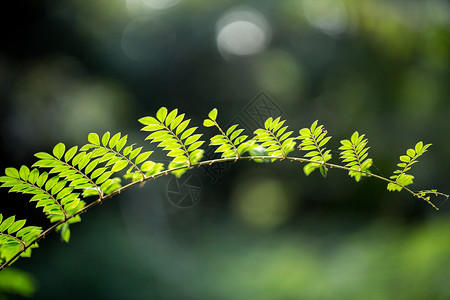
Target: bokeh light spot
{"x":160,"y":4}
{"x":329,"y":16}
{"x":280,"y":74}
{"x":262,"y":203}
{"x":242,"y":32}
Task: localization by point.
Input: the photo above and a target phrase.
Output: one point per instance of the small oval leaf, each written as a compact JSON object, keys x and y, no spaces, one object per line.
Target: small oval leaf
{"x":213,"y":114}
{"x":58,"y":150}
{"x":94,"y":139}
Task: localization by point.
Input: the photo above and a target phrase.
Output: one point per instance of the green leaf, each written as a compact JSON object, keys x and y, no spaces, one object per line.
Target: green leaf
{"x":105,"y":138}
{"x":188,"y":132}
{"x":157,"y":134}
{"x":180,"y":160}
{"x":43,"y":155}
{"x":42,"y":179}
{"x":149,"y":121}
{"x":148,"y":165}
{"x":161,"y":114}
{"x":114,"y":140}
{"x":418,"y":147}
{"x":88,"y":192}
{"x":268,"y":123}
{"x":113,"y":160}
{"x":324,"y":141}
{"x":50,"y":183}
{"x":236,"y":133}
{"x":98,"y":172}
{"x":240,"y":139}
{"x":24,"y":172}
{"x":87,"y":147}
{"x":12,"y":172}
{"x":70,"y":153}
{"x":65,"y":232}
{"x":91,"y":166}
{"x":104,"y":177}
{"x":134,"y":153}
{"x":405,"y":158}
{"x":64,"y":192}
{"x":58,"y":150}
{"x":274,"y":124}
{"x":171,"y":116}
{"x":8,"y":222}
{"x":94,"y":139}
{"x":16,"y":226}
{"x":182,"y":126}
{"x":323,"y":171}
{"x":143,"y":156}
{"x":229,"y":153}
{"x":79,"y":157}
{"x":411,"y":153}
{"x":34,"y":175}
{"x":84,"y":161}
{"x":127,"y":150}
{"x":192,"y":139}
{"x":208,"y":123}
{"x":120,"y":165}
{"x":313,"y":126}
{"x":176,"y":121}
{"x":278,"y":125}
{"x":121,"y":143}
{"x":394,"y":187}
{"x":224,"y":147}
{"x":309,"y":168}
{"x":155,"y":169}
{"x":58,"y":186}
{"x":213,"y":114}
{"x":233,"y":127}
{"x":195,"y":146}
{"x":175,"y":152}
{"x":305,"y":132}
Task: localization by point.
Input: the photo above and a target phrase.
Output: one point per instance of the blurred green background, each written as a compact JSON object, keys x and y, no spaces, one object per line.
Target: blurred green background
{"x":257,"y":231}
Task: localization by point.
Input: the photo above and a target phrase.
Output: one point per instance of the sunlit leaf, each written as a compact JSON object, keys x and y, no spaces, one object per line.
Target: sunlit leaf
{"x":58,"y":150}
{"x":161,"y":114}
{"x":93,"y":138}
{"x":213,"y":114}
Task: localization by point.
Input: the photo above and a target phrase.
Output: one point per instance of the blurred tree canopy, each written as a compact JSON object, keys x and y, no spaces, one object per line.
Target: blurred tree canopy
{"x":381,"y":67}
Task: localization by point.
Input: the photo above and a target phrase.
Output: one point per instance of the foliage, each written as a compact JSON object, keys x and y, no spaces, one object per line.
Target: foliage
{"x":76,"y":174}
{"x":406,"y":161}
{"x":15,"y":282}
{"x":313,"y":141}
{"x":354,"y":152}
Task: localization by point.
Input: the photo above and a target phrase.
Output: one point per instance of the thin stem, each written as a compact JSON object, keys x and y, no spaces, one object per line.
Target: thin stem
{"x":206,"y":162}
{"x":15,"y":238}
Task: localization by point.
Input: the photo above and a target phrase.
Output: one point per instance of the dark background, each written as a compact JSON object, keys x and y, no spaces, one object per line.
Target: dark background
{"x":261,"y":231}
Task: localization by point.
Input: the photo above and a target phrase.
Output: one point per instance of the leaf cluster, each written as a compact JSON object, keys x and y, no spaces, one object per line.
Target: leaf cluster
{"x":274,"y":138}
{"x":15,"y":237}
{"x":231,"y":143}
{"x":171,"y":132}
{"x":62,"y":182}
{"x":354,"y":153}
{"x":116,"y":156}
{"x":400,"y":177}
{"x":313,"y":142}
